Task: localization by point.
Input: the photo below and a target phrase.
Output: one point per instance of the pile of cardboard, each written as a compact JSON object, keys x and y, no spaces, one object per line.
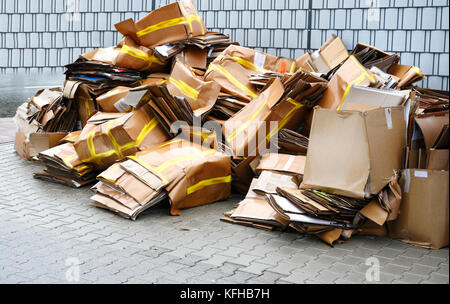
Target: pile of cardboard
{"x":326,"y":144}
{"x":187,"y":173}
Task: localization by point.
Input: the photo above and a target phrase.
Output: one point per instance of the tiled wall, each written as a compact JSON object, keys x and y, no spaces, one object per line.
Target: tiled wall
{"x":37,"y":34}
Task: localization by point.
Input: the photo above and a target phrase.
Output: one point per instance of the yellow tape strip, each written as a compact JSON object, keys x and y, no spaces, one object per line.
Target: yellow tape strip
{"x":286,"y":118}
{"x":208,"y":182}
{"x":184,"y":88}
{"x":189,"y":20}
{"x":358,"y":80}
{"x":291,"y":71}
{"x":67,"y":159}
{"x":203,"y":135}
{"x":231,"y":79}
{"x":247,"y":123}
{"x":171,"y":22}
{"x":113,"y":140}
{"x":137,"y":53}
{"x":176,"y":160}
{"x":97,"y":158}
{"x":86,"y":104}
{"x":418,"y":71}
{"x":158,"y":170}
{"x":149,"y":168}
{"x":118,"y":149}
{"x":72,"y":137}
{"x":245,"y":63}
{"x":366,"y":72}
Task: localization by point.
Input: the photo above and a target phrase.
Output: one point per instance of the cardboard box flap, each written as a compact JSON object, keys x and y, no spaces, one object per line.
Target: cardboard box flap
{"x":431,"y":126}
{"x":386,"y":129}
{"x":333,"y":52}
{"x":337,"y":140}
{"x":371,"y":96}
{"x":424,"y":212}
{"x":43,"y":141}
{"x":442,"y":141}
{"x":282,"y":162}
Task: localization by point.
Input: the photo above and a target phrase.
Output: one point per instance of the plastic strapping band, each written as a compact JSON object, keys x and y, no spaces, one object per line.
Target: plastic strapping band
{"x":208,"y":182}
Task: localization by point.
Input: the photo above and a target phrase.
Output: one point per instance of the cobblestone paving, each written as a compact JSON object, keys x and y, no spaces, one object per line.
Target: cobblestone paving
{"x":46,"y":228}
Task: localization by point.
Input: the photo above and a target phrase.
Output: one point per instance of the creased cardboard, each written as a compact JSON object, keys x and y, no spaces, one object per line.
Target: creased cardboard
{"x":423,"y":218}
{"x":283,"y":163}
{"x":350,"y":73}
{"x":174,"y":22}
{"x":105,"y":143}
{"x":354,"y":153}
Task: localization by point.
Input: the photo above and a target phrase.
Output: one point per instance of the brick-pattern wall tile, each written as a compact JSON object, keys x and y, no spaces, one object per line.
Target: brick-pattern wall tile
{"x":52,"y":33}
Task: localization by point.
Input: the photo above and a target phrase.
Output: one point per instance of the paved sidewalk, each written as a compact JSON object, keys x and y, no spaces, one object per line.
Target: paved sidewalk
{"x":46,"y":229}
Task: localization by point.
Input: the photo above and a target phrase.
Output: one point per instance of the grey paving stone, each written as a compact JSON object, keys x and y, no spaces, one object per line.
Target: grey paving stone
{"x":150,"y":250}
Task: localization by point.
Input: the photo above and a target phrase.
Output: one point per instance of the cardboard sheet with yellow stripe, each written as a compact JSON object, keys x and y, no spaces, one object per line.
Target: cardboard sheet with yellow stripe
{"x":102,"y":144}
{"x":278,"y":106}
{"x":188,"y":174}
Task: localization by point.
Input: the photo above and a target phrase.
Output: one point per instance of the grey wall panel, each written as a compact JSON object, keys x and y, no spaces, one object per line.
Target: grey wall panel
{"x":41,"y":35}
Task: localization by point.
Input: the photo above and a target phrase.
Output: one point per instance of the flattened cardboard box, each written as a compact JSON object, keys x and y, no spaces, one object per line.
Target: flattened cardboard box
{"x":354,"y":153}
{"x":423,"y":219}
{"x":174,"y":22}
{"x":30,"y":147}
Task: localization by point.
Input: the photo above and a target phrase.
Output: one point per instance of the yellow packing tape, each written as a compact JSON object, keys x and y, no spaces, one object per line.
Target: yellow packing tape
{"x":191,"y":19}
{"x":172,"y":22}
{"x":292,"y":68}
{"x":357,"y":80}
{"x":158,"y":170}
{"x":184,"y":88}
{"x":286,"y":118}
{"x":245,"y":63}
{"x":366,"y":72}
{"x":118,"y":149}
{"x":208,"y":182}
{"x":86,"y":104}
{"x":72,"y":137}
{"x":137,"y":53}
{"x":231,"y":79}
{"x":247,"y":123}
{"x":418,"y":71}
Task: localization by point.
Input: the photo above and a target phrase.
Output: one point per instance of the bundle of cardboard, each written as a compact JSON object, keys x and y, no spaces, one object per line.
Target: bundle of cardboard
{"x":64,"y":166}
{"x":108,"y":141}
{"x":187,"y":173}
